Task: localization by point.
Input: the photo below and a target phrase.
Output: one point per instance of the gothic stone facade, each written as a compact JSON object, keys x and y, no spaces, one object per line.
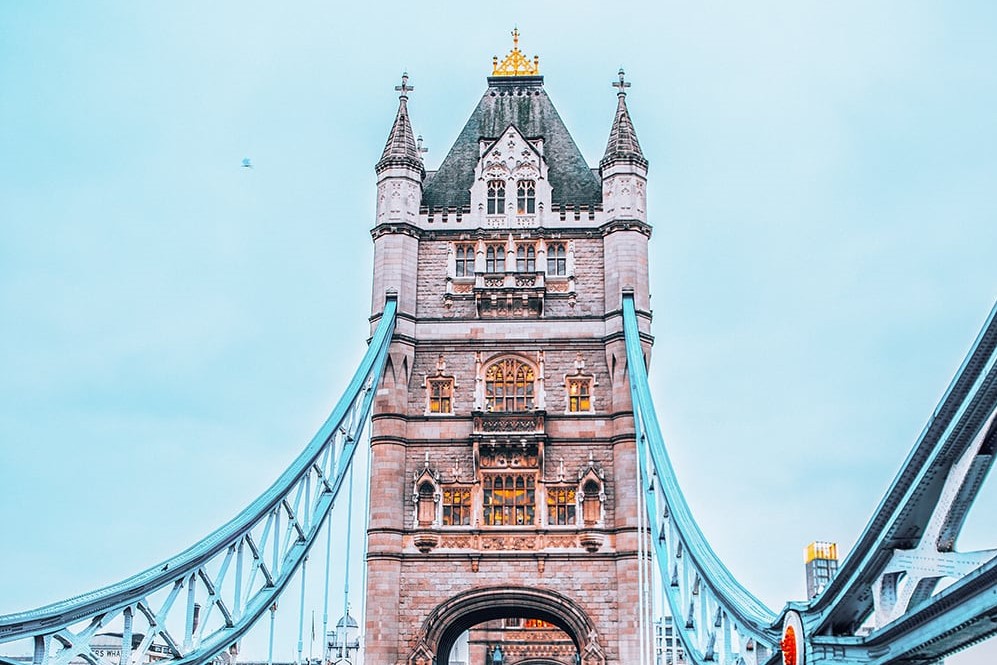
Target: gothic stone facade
{"x":503,"y":455}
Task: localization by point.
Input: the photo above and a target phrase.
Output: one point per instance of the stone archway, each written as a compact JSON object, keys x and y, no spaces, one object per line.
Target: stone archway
{"x":452,"y":617}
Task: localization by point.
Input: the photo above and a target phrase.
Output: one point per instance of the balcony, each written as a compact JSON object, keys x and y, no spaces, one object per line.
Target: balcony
{"x":509,"y":294}
{"x":499,"y":422}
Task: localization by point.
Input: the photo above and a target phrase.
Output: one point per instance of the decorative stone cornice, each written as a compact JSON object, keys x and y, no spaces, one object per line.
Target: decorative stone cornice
{"x":626,"y":225}
{"x":402,"y":228}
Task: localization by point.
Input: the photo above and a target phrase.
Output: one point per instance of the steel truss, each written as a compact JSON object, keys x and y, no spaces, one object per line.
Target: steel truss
{"x":883,"y":607}
{"x":196,"y":605}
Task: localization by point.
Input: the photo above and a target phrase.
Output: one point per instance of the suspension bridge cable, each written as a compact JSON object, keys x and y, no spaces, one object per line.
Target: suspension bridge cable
{"x":301,"y":611}
{"x":346,"y":574}
{"x":325,"y":588}
{"x":366,"y":539}
{"x":640,"y":559}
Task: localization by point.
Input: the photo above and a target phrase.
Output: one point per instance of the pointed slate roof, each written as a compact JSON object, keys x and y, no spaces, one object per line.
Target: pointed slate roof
{"x":523,"y":102}
{"x":401,"y":149}
{"x":623,"y":144}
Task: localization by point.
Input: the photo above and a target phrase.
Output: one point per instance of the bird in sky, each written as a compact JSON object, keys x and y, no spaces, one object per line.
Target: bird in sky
{"x":246,"y":164}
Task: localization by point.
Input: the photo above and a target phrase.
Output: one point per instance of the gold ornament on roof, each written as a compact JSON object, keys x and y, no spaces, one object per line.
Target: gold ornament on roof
{"x":516,"y":64}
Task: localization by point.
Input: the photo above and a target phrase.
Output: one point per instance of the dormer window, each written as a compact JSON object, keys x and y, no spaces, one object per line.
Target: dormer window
{"x":526,"y":197}
{"x":526,"y":259}
{"x":464,"y":266}
{"x":495,"y":258}
{"x":557,"y":261}
{"x":496,"y":197}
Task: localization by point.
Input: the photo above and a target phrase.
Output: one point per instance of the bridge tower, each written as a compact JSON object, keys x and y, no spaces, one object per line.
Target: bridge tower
{"x":503,"y":473}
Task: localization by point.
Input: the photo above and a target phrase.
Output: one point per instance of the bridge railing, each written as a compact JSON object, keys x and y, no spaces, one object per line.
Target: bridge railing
{"x":199,"y":603}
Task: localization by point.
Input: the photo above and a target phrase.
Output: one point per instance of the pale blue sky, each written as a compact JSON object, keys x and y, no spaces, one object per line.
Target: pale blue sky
{"x":174,"y":327}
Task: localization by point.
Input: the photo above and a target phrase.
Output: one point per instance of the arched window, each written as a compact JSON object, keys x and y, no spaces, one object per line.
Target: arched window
{"x":557,"y":262}
{"x":465,"y":261}
{"x":509,"y":386}
{"x":496,"y":197}
{"x":526,"y":197}
{"x":526,"y":259}
{"x":427,"y":504}
{"x":495,"y":258}
{"x":590,"y":502}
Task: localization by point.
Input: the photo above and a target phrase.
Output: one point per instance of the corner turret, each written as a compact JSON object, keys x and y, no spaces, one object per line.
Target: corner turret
{"x":400,"y":170}
{"x":623,"y":168}
{"x":624,"y":199}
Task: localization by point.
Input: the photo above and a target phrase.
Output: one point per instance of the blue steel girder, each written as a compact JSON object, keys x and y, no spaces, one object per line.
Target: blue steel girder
{"x":203,"y":600}
{"x":957,"y":617}
{"x":882,"y":607}
{"x":909,"y":544}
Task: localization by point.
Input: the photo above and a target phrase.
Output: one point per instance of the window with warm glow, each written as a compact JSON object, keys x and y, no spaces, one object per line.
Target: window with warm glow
{"x":465,"y":261}
{"x":526,"y":197}
{"x":561,"y":505}
{"x":496,"y":197}
{"x":456,"y":506}
{"x":509,"y":386}
{"x":579,"y":395}
{"x":508,"y":499}
{"x":440,"y":395}
{"x":557,"y":262}
{"x":526,"y":259}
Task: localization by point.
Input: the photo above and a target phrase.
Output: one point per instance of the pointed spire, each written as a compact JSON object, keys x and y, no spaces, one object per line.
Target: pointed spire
{"x":623,"y":144}
{"x":401,"y":149}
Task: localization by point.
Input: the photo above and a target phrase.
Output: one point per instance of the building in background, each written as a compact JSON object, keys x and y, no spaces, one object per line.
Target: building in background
{"x":821,"y":561}
{"x":667,"y":644}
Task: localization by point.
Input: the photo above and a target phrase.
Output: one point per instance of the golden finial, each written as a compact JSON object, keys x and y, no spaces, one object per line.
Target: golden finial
{"x":516,"y":64}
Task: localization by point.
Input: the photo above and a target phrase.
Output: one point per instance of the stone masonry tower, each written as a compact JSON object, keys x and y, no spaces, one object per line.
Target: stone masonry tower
{"x":503,"y":454}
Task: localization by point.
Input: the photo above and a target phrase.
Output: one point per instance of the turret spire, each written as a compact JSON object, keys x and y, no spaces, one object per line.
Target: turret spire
{"x":623,"y":144}
{"x":401,"y":149}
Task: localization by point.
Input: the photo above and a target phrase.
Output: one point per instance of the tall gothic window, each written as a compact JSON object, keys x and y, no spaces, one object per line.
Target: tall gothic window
{"x":509,"y":499}
{"x":580,"y":394}
{"x":495,"y":258}
{"x":496,"y":197}
{"x":465,"y":261}
{"x":526,"y":197}
{"x":526,"y":259}
{"x":456,"y":506}
{"x":557,"y":263}
{"x":561,"y":505}
{"x":509,"y":386}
